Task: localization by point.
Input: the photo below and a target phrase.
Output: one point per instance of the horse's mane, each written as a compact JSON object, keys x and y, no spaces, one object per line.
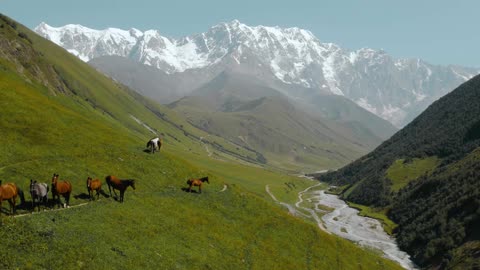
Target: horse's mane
{"x":203,"y":179}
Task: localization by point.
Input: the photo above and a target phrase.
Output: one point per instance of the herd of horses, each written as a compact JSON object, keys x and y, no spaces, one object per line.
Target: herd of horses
{"x":39,"y":191}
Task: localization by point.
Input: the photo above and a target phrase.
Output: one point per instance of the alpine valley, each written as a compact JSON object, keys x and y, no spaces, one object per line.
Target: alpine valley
{"x":59,"y":115}
{"x":249,"y":108}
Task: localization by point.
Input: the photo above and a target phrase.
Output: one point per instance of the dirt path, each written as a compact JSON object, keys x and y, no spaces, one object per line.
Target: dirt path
{"x":206,"y":147}
{"x":313,"y":212}
{"x":291,"y":208}
{"x":51,"y":210}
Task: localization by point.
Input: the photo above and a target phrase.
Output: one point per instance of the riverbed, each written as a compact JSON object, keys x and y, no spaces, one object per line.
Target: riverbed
{"x":345,"y":222}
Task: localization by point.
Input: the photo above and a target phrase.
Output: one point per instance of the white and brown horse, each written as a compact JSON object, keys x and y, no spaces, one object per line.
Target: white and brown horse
{"x":154,"y":144}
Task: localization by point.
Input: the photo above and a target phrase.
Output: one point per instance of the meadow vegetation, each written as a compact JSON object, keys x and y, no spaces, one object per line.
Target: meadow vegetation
{"x":61,"y":116}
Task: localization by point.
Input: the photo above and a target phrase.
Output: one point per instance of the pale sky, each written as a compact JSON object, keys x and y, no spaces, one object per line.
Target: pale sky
{"x":438,"y":31}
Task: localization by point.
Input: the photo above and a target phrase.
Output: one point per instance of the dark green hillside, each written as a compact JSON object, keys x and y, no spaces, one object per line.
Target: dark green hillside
{"x":58,"y":115}
{"x":428,"y":174}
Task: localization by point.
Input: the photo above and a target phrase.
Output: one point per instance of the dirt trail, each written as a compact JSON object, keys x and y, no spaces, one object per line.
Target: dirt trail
{"x":224,"y":188}
{"x":295,"y":209}
{"x":50,"y":210}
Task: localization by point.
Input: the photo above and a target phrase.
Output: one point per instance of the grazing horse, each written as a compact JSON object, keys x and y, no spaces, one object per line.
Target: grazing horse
{"x":63,"y":188}
{"x":39,"y":192}
{"x":154,"y":144}
{"x":196,"y":182}
{"x":93,"y":185}
{"x":120,"y":184}
{"x":9,"y":191}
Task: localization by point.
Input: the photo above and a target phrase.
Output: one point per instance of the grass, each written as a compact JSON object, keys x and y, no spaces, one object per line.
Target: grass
{"x":89,"y":132}
{"x":337,"y":190}
{"x":379,"y":214}
{"x":402,"y":172}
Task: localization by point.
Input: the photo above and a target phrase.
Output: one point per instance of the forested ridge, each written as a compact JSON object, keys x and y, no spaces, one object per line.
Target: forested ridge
{"x":438,"y":213}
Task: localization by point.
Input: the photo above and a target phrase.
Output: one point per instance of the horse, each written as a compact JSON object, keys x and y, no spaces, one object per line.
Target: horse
{"x":93,"y":185}
{"x":9,"y":192}
{"x":39,"y":192}
{"x":154,"y":144}
{"x":196,"y":182}
{"x":63,"y":188}
{"x":121,"y":184}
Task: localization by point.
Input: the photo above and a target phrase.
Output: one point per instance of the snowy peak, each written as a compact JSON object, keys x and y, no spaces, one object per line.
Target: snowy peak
{"x":394,"y":89}
{"x":88,"y":43}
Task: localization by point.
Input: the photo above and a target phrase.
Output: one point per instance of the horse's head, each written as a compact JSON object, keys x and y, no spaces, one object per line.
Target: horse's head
{"x":32,"y":186}
{"x":205,"y":179}
{"x":89,"y":181}
{"x":131,"y":182}
{"x":54,"y":178}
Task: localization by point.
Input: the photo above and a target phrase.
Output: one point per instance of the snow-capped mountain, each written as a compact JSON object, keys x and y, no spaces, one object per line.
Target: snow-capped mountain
{"x":394,"y":89}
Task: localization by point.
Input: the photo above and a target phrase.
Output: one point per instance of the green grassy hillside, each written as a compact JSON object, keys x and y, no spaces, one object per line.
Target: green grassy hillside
{"x":61,"y":116}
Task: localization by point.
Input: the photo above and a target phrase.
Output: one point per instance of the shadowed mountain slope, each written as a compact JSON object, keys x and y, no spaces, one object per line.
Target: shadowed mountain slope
{"x":427,"y":173}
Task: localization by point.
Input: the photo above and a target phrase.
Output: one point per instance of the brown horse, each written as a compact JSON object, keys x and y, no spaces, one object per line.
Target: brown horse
{"x":9,"y":191}
{"x":63,"y":188}
{"x":121,"y":184}
{"x":196,"y":182}
{"x":93,"y":185}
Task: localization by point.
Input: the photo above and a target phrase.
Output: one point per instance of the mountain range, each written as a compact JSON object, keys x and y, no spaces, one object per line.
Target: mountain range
{"x":291,"y":60}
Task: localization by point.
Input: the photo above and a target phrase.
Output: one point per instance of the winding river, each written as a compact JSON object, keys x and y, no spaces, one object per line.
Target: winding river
{"x":345,"y":222}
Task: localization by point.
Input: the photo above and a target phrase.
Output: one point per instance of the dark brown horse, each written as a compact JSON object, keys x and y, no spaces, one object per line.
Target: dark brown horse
{"x":121,"y":184}
{"x":9,"y":192}
{"x":196,"y":182}
{"x":93,"y":185}
{"x":63,"y":188}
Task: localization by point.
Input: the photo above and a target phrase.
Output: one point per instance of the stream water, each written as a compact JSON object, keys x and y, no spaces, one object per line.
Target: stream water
{"x":345,"y":222}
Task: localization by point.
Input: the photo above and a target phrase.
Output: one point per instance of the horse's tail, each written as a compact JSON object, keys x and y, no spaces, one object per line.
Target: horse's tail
{"x":22,"y":195}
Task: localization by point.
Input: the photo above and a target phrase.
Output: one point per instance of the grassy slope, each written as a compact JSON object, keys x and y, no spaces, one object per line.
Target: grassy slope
{"x":286,"y":138}
{"x":401,"y":173}
{"x":159,"y":225}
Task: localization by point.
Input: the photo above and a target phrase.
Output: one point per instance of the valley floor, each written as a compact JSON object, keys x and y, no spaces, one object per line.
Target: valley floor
{"x":333,"y":215}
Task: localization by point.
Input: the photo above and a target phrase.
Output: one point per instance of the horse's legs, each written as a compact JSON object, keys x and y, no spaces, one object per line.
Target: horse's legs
{"x":122,"y":192}
{"x":12,"y":202}
{"x":200,"y":189}
{"x":67,"y":200}
{"x":190,"y":188}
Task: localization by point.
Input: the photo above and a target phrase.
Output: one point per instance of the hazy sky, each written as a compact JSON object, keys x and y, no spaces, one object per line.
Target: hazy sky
{"x":439,"y":31}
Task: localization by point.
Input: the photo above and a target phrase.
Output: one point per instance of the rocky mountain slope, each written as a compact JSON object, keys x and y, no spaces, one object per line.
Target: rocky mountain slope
{"x":395,"y":89}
